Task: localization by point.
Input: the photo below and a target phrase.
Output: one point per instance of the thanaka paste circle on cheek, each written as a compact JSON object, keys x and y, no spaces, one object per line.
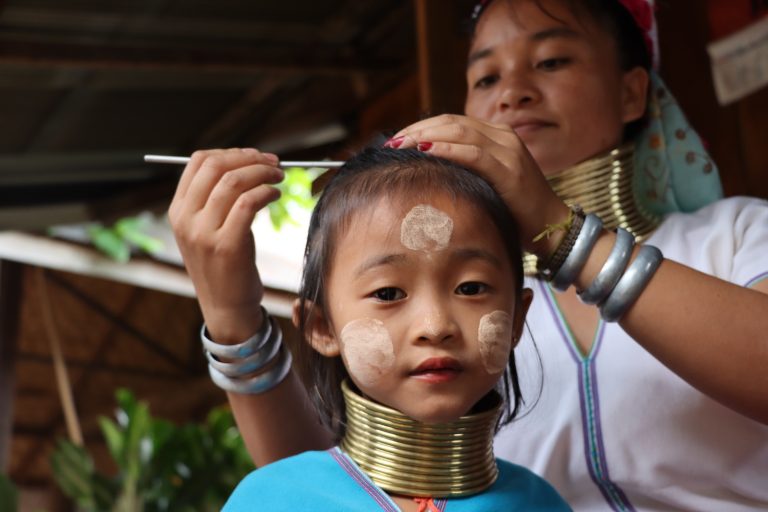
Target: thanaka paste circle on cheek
{"x":425,"y":228}
{"x":367,"y":349}
{"x":494,"y":336}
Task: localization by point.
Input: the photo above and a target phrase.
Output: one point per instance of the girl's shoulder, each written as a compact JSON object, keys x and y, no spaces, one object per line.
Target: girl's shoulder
{"x":285,"y":484}
{"x":518,"y":488}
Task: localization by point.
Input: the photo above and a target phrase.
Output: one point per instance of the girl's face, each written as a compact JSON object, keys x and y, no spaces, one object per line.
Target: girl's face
{"x":556,"y":82}
{"x":422,"y":306}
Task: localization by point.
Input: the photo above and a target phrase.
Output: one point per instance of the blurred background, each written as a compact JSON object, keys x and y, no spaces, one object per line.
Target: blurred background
{"x":87,"y":87}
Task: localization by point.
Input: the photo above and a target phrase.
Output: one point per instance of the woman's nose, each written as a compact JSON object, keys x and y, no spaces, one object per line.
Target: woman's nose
{"x":518,"y":91}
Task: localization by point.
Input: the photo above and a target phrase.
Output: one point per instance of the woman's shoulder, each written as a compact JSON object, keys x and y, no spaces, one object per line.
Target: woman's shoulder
{"x":725,"y":213}
{"x":724,"y":239}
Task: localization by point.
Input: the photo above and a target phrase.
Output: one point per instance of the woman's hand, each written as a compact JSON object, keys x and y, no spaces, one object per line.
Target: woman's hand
{"x":211,"y":214}
{"x":497,"y":154}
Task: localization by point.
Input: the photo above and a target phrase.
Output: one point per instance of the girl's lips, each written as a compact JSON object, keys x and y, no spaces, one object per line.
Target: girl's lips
{"x":438,"y":363}
{"x":437,"y":369}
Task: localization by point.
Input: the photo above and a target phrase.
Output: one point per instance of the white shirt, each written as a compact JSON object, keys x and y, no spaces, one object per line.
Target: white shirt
{"x":616,"y":429}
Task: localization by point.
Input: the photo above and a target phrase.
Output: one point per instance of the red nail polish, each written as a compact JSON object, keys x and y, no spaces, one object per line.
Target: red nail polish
{"x":396,"y":142}
{"x":424,"y":146}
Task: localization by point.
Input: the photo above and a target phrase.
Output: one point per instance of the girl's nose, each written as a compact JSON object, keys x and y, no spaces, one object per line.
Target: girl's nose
{"x":435,"y":324}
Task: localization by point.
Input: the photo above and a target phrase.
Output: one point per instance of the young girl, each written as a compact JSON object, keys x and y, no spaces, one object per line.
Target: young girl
{"x":411,"y":304}
{"x":664,"y":409}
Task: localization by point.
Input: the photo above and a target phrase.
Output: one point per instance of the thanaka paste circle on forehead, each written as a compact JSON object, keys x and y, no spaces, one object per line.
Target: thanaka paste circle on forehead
{"x":494,"y":336}
{"x":367,"y":349}
{"x":425,"y":228}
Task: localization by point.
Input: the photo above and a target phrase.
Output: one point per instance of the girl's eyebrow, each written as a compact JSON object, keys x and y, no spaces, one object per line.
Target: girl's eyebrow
{"x":477,"y":254}
{"x":378,"y":261}
{"x":542,"y":35}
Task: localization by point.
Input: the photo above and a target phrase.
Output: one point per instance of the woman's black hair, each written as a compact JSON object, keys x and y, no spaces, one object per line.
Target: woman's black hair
{"x":374,"y":174}
{"x":613,"y":17}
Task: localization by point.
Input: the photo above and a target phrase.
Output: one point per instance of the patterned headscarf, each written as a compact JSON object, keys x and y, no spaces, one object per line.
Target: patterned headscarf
{"x":673,"y":171}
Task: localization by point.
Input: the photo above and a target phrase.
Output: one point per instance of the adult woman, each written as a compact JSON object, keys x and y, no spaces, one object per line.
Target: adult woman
{"x":549,"y":76}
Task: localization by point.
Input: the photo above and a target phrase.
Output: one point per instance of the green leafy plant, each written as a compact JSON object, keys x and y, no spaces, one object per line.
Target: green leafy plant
{"x":8,"y":494}
{"x":161,"y":466}
{"x":296,"y":192}
{"x":118,"y":240}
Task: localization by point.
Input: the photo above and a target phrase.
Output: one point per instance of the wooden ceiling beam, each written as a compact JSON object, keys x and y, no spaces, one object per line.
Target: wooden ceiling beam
{"x":39,"y":21}
{"x":243,"y":58}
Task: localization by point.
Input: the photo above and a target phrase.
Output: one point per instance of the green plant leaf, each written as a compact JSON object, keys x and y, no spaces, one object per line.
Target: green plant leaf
{"x":131,"y":230}
{"x":114,"y":438}
{"x":8,"y":494}
{"x":296,"y":192}
{"x":74,"y":472}
{"x":110,"y":243}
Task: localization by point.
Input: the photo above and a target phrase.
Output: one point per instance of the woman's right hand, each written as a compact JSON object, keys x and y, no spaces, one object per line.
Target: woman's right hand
{"x":497,"y":154}
{"x":216,"y":200}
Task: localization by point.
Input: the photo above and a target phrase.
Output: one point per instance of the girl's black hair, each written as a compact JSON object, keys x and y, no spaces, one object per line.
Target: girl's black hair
{"x":613,"y":17}
{"x":374,"y":174}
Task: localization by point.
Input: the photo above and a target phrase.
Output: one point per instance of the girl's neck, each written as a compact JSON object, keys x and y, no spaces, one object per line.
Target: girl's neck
{"x":604,"y":185}
{"x":406,"y":457}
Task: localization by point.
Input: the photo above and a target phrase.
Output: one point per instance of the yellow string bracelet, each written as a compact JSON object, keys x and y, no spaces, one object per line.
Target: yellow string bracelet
{"x":572,"y":227}
{"x":549,"y":229}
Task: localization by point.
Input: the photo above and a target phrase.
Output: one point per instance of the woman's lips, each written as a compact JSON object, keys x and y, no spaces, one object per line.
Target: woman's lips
{"x":437,"y":369}
{"x":525,"y":128}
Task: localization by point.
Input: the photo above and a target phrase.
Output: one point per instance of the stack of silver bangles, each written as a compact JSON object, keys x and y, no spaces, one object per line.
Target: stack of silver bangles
{"x":617,"y":286}
{"x":232,"y":367}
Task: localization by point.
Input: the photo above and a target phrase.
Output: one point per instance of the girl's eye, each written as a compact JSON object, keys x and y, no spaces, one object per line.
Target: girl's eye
{"x":553,"y":64}
{"x":389,"y":294}
{"x":486,"y":81}
{"x":471,"y":288}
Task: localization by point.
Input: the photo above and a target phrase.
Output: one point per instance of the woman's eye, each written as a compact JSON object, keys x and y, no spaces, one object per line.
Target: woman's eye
{"x":553,"y":64}
{"x":389,"y":294}
{"x":486,"y":81}
{"x":471,"y":288}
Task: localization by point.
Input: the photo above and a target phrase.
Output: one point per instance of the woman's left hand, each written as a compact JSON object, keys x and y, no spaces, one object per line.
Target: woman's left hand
{"x":497,"y":154}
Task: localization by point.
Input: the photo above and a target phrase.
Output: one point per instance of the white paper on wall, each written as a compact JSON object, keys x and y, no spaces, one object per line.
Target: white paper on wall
{"x":740,"y":62}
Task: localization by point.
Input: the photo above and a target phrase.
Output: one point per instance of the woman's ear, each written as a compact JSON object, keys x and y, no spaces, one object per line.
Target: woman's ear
{"x":634,"y":95}
{"x":521,"y":310}
{"x":319,"y":331}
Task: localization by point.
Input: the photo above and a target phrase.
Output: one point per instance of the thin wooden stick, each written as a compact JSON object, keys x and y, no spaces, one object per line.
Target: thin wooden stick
{"x":182,"y":160}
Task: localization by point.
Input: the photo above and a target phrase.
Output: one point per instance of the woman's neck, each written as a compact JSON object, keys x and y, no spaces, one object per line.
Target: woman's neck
{"x":406,"y":457}
{"x":604,"y":185}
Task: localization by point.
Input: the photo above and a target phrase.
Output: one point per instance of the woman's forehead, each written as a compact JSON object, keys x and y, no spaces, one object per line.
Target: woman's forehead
{"x":531,"y":17}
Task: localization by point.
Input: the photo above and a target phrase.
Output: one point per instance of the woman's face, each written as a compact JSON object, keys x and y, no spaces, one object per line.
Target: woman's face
{"x":554,"y":79}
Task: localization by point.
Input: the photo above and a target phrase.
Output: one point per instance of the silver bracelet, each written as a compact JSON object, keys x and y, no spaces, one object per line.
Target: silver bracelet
{"x":260,"y":383}
{"x":612,"y":271}
{"x":241,"y":350}
{"x":632,"y":283}
{"x":255,"y":361}
{"x":579,"y":255}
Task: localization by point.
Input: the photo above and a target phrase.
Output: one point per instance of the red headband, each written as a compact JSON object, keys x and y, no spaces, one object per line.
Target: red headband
{"x":642,"y":12}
